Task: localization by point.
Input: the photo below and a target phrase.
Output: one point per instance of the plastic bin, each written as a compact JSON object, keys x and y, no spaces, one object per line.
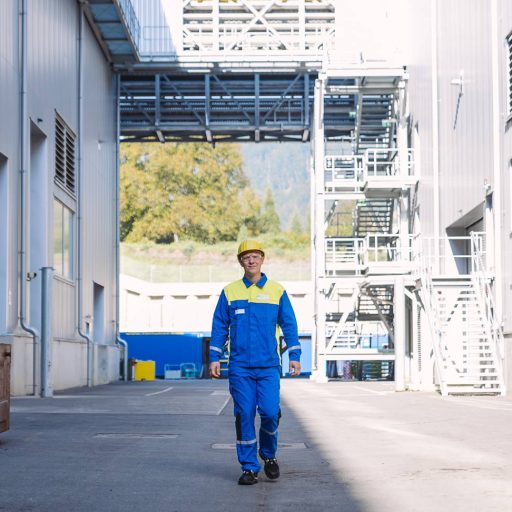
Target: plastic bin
{"x":172,"y":371}
{"x":144,"y":370}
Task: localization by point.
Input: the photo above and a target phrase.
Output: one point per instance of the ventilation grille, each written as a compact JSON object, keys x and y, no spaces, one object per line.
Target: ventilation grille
{"x":64,"y":155}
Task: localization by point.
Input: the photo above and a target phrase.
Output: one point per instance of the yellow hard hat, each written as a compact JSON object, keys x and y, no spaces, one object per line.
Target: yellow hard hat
{"x":250,"y":245}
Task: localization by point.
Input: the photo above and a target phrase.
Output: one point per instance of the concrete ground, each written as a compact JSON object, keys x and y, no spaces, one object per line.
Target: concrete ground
{"x":169,"y":446}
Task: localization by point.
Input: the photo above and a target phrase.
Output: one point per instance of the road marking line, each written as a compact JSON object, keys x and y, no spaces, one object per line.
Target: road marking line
{"x":219,"y":412}
{"x":371,"y":391}
{"x":158,"y":392}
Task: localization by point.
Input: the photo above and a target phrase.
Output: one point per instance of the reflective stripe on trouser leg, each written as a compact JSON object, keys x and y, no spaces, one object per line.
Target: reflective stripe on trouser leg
{"x":242,"y":387}
{"x":268,"y":385}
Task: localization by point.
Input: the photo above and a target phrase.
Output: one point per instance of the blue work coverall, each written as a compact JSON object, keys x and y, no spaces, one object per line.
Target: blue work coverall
{"x":248,"y":317}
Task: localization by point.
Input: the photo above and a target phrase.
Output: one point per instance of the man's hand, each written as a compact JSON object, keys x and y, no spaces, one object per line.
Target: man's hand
{"x":294,"y":368}
{"x":215,"y":370}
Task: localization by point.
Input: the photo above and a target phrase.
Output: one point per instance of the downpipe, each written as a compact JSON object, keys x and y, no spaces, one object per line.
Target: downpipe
{"x":46,"y":332}
{"x":79,"y":280}
{"x":119,"y":340}
{"x":22,"y":13}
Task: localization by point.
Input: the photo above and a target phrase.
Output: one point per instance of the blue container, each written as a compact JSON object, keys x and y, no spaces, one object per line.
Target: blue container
{"x":165,"y":348}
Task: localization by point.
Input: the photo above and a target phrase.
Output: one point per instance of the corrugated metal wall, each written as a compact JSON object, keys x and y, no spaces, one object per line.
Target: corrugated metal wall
{"x":505,"y":29}
{"x":465,"y":121}
{"x":53,"y":71}
{"x":462,"y":36}
{"x":9,"y":148}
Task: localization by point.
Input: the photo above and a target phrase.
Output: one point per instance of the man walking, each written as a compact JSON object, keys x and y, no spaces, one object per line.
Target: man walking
{"x":248,"y":314}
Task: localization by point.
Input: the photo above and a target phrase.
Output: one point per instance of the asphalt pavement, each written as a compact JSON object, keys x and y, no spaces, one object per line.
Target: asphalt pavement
{"x":169,"y":446}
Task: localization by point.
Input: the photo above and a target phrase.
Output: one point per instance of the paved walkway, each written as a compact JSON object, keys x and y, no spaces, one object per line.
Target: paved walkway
{"x":169,"y":446}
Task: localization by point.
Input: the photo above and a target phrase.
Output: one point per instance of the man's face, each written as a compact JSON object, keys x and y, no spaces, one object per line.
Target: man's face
{"x":251,"y":262}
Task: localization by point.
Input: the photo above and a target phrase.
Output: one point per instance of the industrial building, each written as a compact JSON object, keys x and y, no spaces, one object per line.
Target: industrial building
{"x":407,"y":111}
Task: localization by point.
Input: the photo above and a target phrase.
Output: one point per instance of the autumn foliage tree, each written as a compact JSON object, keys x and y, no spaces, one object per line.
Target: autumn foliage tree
{"x":185,"y":191}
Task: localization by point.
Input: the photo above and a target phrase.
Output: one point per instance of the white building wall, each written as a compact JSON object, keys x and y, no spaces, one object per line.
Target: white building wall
{"x":53,"y":80}
{"x":505,"y":29}
{"x":9,"y":165}
{"x":189,"y":307}
{"x":453,"y":45}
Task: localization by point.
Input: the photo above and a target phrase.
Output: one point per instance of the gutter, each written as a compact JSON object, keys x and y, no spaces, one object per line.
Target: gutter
{"x":79,"y":280}
{"x":24,"y":136}
{"x":119,"y":340}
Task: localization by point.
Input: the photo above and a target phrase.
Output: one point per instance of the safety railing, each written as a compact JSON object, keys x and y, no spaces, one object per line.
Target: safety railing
{"x":482,"y":285}
{"x":449,"y":256}
{"x":131,"y":20}
{"x":341,"y":252}
{"x":353,"y":336}
{"x":341,"y":171}
{"x":382,"y":248}
{"x":382,"y":163}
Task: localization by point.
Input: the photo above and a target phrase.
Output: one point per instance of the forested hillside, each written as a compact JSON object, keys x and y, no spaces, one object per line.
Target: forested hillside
{"x":284,"y":167}
{"x":194,"y":191}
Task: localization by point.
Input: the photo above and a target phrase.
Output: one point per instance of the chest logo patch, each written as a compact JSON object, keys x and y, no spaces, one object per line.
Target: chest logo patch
{"x":262,"y":297}
{"x":239,"y":311}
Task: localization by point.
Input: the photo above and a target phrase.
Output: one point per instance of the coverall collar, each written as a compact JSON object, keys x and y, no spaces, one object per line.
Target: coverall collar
{"x":259,"y":284}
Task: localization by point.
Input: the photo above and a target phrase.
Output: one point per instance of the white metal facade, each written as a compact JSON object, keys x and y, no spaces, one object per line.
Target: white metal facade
{"x":458,"y":96}
{"x":53,"y":75}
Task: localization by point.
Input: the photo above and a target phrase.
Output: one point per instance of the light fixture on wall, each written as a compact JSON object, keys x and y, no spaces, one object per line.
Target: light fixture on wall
{"x":459,"y":82}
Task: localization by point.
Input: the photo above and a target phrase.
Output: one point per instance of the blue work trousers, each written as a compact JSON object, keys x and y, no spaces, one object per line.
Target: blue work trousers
{"x":253,"y":388}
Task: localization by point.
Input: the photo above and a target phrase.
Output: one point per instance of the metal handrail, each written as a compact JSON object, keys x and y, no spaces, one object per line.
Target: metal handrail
{"x":338,"y":169}
{"x":448,"y":255}
{"x":131,"y":21}
{"x":386,"y":247}
{"x":383,"y":163}
{"x":344,"y":250}
{"x":482,"y":285}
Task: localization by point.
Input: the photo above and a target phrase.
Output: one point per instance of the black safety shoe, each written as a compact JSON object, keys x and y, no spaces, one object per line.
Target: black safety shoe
{"x":271,"y":468}
{"x":248,"y":478}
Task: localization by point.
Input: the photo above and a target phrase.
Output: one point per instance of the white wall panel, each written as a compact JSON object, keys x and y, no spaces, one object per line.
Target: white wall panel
{"x":9,"y":147}
{"x":420,"y":103}
{"x":465,"y":135}
{"x":99,"y":182}
{"x":505,"y":29}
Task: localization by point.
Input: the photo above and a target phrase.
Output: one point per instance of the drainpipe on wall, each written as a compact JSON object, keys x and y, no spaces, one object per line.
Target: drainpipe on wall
{"x":119,"y":340}
{"x":435,"y":137}
{"x":46,"y":331}
{"x":496,"y":164}
{"x":24,"y":136}
{"x":79,"y":279}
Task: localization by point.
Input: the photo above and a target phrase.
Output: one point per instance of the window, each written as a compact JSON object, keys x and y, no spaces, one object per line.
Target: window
{"x":509,"y":46}
{"x":64,"y":155}
{"x":62,"y":240}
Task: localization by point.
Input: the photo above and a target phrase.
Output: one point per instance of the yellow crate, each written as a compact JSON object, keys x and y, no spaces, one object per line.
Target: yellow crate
{"x":145,"y":370}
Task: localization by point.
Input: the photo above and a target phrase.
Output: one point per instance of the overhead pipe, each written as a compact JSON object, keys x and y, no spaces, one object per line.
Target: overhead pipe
{"x":79,"y":279}
{"x":119,"y":340}
{"x":24,"y":148}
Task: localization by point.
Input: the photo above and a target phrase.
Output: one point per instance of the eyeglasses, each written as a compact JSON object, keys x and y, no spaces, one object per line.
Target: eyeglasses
{"x":250,"y":257}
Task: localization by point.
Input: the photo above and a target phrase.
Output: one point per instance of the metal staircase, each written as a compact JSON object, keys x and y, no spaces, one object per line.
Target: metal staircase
{"x":373,"y":216}
{"x":467,"y":340}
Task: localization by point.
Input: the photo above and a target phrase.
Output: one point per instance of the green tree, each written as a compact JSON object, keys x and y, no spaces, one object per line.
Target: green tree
{"x":296,"y":226}
{"x":187,"y":191}
{"x":270,"y":222}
